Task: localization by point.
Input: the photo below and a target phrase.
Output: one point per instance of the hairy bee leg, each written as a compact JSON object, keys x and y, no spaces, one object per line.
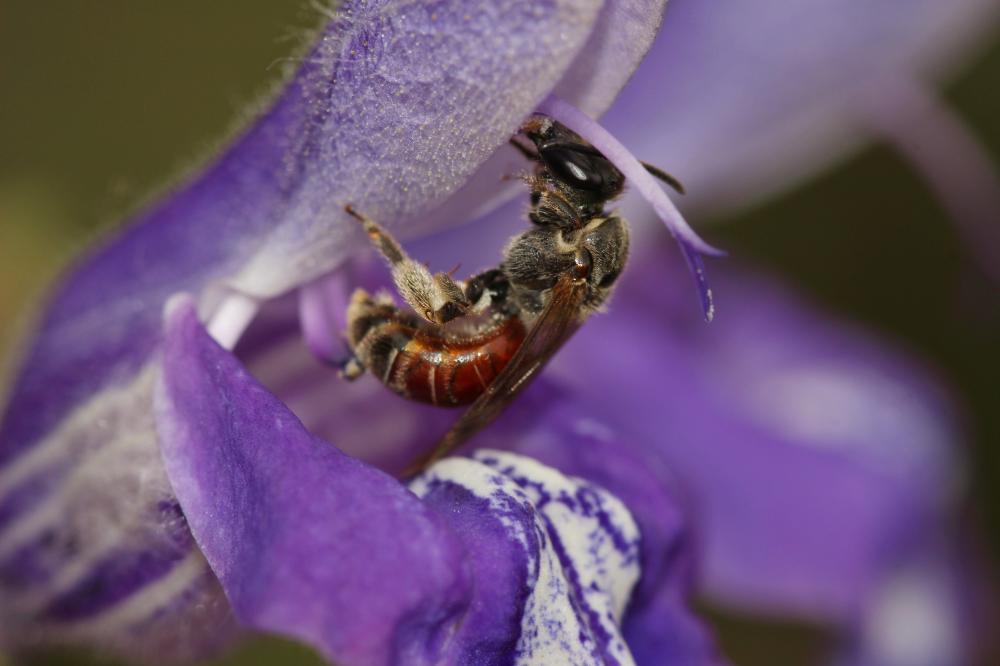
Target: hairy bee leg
{"x":437,"y":298}
{"x":351,"y":369}
{"x":364,"y":312}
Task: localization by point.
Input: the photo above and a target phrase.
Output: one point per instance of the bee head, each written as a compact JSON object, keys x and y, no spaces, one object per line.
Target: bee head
{"x":573,"y":162}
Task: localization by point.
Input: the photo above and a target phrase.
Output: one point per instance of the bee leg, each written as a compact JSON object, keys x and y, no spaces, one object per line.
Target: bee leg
{"x":492,"y":282}
{"x":437,"y":298}
{"x":351,"y":368}
{"x":365,"y":313}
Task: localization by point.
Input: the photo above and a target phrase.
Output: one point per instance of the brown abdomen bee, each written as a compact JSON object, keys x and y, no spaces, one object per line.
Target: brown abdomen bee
{"x":482,"y":340}
{"x":423,"y":362}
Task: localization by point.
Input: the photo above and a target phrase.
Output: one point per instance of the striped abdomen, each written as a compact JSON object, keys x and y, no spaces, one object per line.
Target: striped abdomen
{"x":425,"y":365}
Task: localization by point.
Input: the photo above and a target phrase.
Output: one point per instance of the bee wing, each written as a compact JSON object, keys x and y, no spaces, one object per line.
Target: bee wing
{"x":553,"y":327}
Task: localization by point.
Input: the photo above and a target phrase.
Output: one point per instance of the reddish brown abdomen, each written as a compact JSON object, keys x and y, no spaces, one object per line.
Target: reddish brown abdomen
{"x":454,"y":371}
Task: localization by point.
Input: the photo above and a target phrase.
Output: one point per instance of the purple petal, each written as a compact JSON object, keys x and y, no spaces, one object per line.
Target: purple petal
{"x":812,"y":456}
{"x":323,"y":314}
{"x":922,"y":613}
{"x":577,"y":552}
{"x":298,"y":533}
{"x":624,"y":32}
{"x":744,"y":98}
{"x":96,"y":547}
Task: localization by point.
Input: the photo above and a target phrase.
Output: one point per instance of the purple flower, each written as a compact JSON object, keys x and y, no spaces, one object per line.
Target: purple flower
{"x":686,"y":455}
{"x":497,"y":559}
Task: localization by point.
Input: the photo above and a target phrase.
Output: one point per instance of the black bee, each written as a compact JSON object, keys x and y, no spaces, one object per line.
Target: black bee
{"x":552,"y":277}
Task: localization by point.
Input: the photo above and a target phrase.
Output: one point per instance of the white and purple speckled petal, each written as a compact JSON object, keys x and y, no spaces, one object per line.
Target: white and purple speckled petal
{"x":582,"y":549}
{"x":557,"y":429}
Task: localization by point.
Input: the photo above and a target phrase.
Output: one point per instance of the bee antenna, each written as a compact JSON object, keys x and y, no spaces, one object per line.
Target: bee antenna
{"x":656,"y":171}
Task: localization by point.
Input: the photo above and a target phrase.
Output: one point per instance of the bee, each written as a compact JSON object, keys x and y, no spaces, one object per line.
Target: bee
{"x":481,"y":341}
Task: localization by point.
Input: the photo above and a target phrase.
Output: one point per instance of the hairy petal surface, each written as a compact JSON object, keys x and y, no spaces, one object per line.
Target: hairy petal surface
{"x":393,"y":108}
{"x":498,"y":559}
{"x":95,"y":549}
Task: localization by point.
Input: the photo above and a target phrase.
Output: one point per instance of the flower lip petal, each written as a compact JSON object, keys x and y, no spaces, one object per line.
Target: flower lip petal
{"x":555,"y":427}
{"x":305,"y":541}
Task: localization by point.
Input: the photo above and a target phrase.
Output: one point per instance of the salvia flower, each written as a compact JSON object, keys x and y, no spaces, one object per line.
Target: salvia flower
{"x":241,"y":500}
{"x":395,"y":106}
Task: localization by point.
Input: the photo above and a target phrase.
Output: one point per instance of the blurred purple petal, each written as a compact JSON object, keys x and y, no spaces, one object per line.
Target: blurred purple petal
{"x":954,"y":164}
{"x":813,"y":457}
{"x":921,"y":614}
{"x":744,"y":98}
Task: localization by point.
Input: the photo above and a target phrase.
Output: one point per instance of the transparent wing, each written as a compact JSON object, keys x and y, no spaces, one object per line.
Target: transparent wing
{"x":553,"y":327}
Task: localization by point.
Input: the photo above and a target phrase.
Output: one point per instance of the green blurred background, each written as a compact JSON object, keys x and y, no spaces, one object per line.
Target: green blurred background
{"x":104,"y":102}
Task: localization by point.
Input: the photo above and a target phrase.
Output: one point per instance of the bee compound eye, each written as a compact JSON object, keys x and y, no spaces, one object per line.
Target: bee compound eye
{"x":575,"y":167}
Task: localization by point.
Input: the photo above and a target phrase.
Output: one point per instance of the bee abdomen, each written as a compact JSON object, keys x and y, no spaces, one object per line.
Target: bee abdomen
{"x":454,"y":372}
{"x":447,"y":371}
